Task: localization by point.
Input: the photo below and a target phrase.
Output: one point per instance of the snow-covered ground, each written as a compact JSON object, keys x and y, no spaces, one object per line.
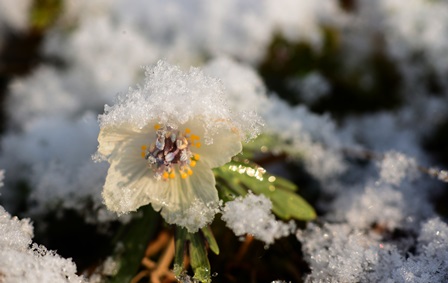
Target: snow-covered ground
{"x":377,"y":220}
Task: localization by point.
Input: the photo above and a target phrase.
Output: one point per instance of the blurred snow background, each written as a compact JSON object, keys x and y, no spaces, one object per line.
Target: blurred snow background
{"x":354,"y":93}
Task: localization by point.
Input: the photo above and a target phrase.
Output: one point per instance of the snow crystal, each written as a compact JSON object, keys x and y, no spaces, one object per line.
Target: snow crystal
{"x":197,"y":214}
{"x":245,"y":90}
{"x":307,"y":136}
{"x":340,"y":253}
{"x":252,"y":215}
{"x":337,"y":253}
{"x":239,"y":29}
{"x":382,"y":204}
{"x":29,"y":96}
{"x":91,"y":42}
{"x":173,"y":97}
{"x":54,"y":157}
{"x":415,"y":27}
{"x":20,"y":262}
{"x":395,"y":167}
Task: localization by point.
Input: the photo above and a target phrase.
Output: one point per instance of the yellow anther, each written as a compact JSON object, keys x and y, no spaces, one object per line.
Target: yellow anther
{"x":192,"y":163}
{"x":165,"y":175}
{"x":172,"y":175}
{"x":190,"y":172}
{"x":183,"y":175}
{"x":187,"y":130}
{"x":196,"y":156}
{"x":143,"y":154}
{"x":198,"y":145}
{"x":157,"y":126}
{"x":194,"y":137}
{"x":143,"y":147}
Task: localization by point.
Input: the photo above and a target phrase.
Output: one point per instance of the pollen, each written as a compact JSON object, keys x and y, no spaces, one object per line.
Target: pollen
{"x":171,"y":154}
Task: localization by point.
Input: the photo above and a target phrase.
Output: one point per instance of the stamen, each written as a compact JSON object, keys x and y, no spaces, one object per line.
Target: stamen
{"x":169,"y":157}
{"x":171,"y":152}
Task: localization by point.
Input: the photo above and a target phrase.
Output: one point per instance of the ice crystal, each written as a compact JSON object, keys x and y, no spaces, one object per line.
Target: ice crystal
{"x":252,"y":215}
{"x":20,"y":262}
{"x":395,"y":167}
{"x":171,"y":97}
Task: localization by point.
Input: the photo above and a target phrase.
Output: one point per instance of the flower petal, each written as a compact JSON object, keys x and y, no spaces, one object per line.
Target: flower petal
{"x":191,"y":202}
{"x":112,"y":138}
{"x":226,"y":144}
{"x":128,"y":178}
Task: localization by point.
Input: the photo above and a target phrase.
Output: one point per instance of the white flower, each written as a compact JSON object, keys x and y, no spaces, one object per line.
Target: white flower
{"x":161,"y":142}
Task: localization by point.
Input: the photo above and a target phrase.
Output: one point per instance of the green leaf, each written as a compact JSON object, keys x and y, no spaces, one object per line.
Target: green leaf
{"x":44,"y":13}
{"x":208,"y":234}
{"x":181,"y":239}
{"x":133,"y":240}
{"x":198,"y":258}
{"x":287,"y":205}
{"x":240,"y":177}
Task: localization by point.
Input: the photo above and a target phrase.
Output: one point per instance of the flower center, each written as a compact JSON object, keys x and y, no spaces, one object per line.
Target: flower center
{"x":172,"y":149}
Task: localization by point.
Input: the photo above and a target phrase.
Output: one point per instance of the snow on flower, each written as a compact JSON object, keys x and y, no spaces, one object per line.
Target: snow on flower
{"x":161,"y":141}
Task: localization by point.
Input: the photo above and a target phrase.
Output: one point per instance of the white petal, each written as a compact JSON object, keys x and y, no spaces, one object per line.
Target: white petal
{"x":192,"y":202}
{"x":128,"y":179}
{"x":226,"y":144}
{"x":111,"y":139}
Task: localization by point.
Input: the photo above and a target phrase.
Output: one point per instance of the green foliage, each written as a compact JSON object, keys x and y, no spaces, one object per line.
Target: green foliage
{"x":208,"y":234}
{"x":131,"y":242}
{"x":197,"y":243}
{"x":198,"y":258}
{"x":238,"y":178}
{"x":44,"y":13}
